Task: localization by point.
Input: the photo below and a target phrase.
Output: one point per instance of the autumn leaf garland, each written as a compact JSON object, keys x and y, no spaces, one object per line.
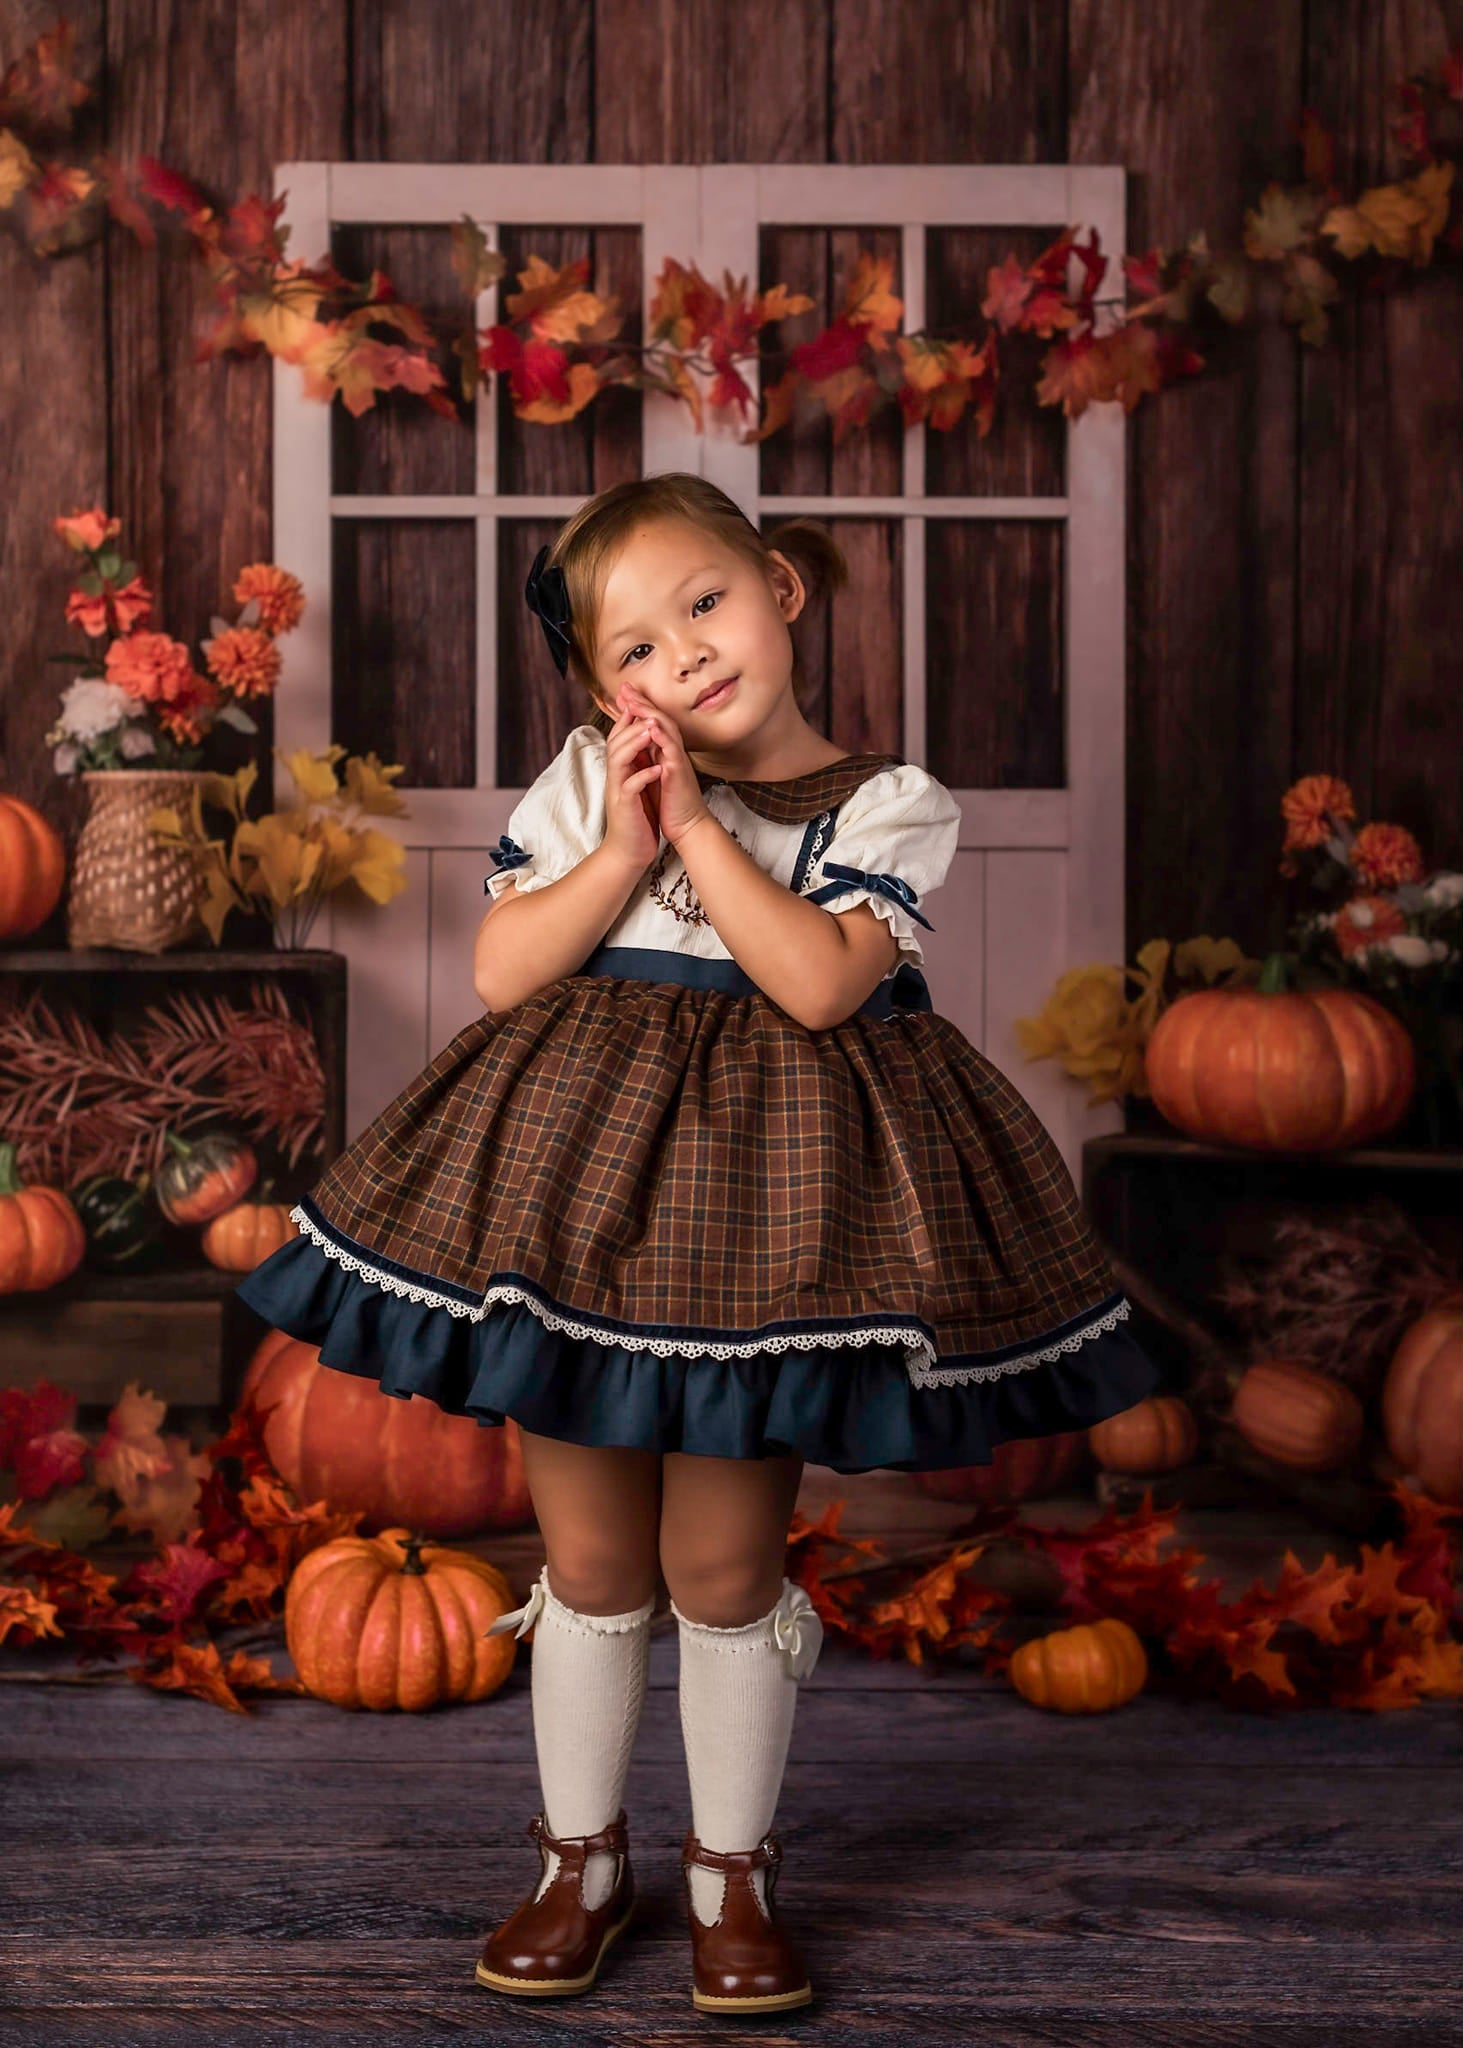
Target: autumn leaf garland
{"x":562,"y":344}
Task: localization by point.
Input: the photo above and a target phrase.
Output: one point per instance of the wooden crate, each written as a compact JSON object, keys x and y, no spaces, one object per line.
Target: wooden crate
{"x":176,"y":1328}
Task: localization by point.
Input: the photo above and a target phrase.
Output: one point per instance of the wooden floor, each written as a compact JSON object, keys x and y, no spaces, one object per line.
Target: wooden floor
{"x":958,"y":1866}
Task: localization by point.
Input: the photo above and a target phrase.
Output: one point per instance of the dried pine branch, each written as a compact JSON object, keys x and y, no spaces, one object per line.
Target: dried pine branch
{"x":74,"y":1103}
{"x":1339,"y":1294}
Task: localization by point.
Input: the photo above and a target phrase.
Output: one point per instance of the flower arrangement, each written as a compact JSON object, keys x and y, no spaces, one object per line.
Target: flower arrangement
{"x":1395,"y":922}
{"x":1389,"y":927}
{"x":290,"y":860}
{"x":141,"y":703}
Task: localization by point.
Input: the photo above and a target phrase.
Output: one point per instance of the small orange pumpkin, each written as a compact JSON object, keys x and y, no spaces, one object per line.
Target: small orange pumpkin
{"x":1422,"y":1402}
{"x":239,"y":1238}
{"x":1154,"y":1435}
{"x":1088,"y":1669}
{"x":395,"y":1621}
{"x":1025,"y":1468}
{"x":32,"y":868}
{"x":204,"y":1177}
{"x":337,"y":1437}
{"x":1298,"y":1416}
{"x":42,"y":1239}
{"x":1279,"y":1069}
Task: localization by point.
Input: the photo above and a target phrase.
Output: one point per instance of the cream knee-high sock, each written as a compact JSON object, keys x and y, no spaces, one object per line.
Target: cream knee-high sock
{"x":588,"y":1675}
{"x":738,"y":1692}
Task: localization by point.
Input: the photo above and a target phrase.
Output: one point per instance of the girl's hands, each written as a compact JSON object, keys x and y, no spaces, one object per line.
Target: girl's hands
{"x":632,"y":809}
{"x":680,"y":803}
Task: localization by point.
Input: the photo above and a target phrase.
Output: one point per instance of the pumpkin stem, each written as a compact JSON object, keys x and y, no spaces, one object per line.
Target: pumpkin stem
{"x":180,"y":1145}
{"x":412,"y":1545}
{"x":1274,"y":975}
{"x":9,"y":1185}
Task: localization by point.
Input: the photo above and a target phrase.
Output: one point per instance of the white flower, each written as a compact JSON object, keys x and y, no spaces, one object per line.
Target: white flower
{"x":1409,"y":949}
{"x":65,"y":758}
{"x":1445,"y":888}
{"x":136,"y":741}
{"x":93,"y":706}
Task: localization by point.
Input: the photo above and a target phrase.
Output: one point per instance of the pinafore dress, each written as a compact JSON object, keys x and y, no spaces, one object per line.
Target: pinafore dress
{"x":645,"y":1206}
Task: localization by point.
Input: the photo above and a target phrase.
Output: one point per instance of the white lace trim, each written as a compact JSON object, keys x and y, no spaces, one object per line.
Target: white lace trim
{"x":921,"y":1375}
{"x":918,"y":1359}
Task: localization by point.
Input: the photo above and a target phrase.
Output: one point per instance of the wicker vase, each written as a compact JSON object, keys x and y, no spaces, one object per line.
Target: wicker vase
{"x":126,"y":889}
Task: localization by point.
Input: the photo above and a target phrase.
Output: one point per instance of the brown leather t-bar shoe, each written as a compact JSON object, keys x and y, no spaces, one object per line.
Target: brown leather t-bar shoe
{"x":551,"y":1946}
{"x":745,"y":1961}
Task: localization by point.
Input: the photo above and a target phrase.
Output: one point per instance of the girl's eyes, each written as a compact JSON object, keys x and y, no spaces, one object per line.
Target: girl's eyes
{"x":700,"y":600}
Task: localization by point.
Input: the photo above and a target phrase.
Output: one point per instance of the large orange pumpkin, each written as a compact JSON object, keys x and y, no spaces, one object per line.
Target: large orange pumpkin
{"x":32,"y":868}
{"x":1298,"y":1416}
{"x":388,"y":1621}
{"x":1422,"y":1402}
{"x":1083,"y":1670}
{"x":1026,"y":1469}
{"x":338,"y":1438}
{"x":42,"y":1238}
{"x":1155,"y":1435}
{"x":1281,"y":1070}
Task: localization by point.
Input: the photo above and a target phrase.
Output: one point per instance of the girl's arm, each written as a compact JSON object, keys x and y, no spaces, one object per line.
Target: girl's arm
{"x":525,"y":942}
{"x":817,"y":966}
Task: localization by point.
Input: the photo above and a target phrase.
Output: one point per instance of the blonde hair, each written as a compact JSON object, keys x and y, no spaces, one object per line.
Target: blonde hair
{"x":588,"y":541}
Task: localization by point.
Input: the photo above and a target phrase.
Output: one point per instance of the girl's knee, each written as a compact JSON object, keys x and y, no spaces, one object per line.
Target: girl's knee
{"x":724,"y":1592}
{"x":595,"y":1580}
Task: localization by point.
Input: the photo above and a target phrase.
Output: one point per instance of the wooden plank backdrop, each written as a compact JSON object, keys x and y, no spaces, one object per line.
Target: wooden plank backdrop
{"x":1295,"y":521}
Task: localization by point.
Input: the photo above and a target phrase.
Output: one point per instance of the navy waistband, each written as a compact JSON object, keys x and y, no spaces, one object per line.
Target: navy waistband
{"x":905,"y":989}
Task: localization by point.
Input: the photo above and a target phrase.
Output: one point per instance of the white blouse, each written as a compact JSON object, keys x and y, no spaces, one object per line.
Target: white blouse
{"x":899,"y":829}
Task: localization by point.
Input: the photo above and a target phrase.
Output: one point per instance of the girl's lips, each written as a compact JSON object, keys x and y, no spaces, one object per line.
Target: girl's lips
{"x":718,"y":696}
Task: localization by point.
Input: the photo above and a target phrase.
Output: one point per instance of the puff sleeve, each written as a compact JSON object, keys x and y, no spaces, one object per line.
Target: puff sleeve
{"x":893,"y":842}
{"x":557,"y":821}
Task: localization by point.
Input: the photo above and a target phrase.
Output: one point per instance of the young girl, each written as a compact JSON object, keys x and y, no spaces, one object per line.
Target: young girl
{"x":708,"y":1190}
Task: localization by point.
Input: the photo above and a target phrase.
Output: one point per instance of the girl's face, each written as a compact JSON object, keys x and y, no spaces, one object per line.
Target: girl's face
{"x":680,"y":612}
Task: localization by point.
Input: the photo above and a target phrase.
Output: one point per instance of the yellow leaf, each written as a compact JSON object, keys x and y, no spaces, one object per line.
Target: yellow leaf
{"x":17,"y":167}
{"x":313,"y":774}
{"x":379,"y":866}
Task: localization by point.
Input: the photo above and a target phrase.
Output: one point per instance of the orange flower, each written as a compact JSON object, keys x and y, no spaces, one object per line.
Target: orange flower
{"x":180,"y":717}
{"x":1384,"y":855}
{"x":1311,"y":808}
{"x":245,"y":660}
{"x":281,"y":596}
{"x":154,"y":667}
{"x":111,"y":611}
{"x":1363,"y":921}
{"x":87,"y":530}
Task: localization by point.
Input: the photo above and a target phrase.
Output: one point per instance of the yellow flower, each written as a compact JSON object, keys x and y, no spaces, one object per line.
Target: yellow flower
{"x":1097,"y":1034}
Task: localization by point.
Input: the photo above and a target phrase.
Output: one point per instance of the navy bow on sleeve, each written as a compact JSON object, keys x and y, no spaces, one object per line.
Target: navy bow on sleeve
{"x":506,"y":854}
{"x":893,"y":886}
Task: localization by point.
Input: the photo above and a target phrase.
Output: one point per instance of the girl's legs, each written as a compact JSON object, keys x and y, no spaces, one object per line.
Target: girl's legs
{"x":723,"y":1545}
{"x":598,"y":1508}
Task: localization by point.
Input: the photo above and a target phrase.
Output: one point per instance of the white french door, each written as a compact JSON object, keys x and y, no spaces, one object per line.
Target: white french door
{"x":1037,"y":885}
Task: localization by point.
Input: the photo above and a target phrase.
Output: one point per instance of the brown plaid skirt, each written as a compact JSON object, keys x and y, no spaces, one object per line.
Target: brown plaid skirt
{"x":678,"y":1177}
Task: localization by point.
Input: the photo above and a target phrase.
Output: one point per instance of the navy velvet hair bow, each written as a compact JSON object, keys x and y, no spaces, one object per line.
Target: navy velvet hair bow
{"x":549,"y":598}
{"x":893,"y":886}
